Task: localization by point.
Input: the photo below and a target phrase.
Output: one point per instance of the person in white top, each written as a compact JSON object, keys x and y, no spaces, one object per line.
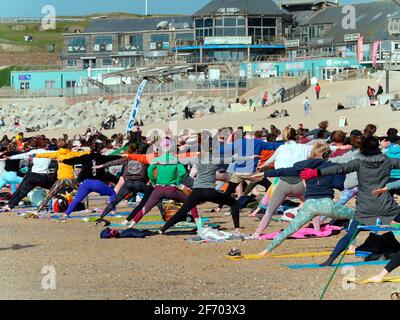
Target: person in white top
{"x":38,"y":176}
{"x":285,"y":157}
{"x":307,"y":107}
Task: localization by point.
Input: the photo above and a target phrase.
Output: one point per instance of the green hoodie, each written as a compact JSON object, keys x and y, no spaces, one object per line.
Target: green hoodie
{"x":169,"y":171}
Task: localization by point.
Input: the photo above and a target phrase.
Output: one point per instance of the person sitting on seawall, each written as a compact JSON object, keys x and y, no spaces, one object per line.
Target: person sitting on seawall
{"x":394,"y":263}
{"x":373,"y":171}
{"x":319,"y":194}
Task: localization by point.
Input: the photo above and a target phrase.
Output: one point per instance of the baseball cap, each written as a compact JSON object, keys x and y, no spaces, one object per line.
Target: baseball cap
{"x":356,"y":133}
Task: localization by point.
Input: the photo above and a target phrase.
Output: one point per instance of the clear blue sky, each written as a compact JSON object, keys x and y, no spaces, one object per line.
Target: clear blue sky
{"x":33,"y":8}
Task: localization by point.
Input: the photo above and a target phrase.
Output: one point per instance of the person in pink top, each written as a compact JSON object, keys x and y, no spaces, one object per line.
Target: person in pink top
{"x":265,"y":98}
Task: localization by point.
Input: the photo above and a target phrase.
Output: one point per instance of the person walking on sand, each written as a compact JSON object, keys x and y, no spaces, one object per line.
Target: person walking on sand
{"x":307,"y":107}
{"x":265,"y":98}
{"x":317,"y":90}
{"x":370,"y":93}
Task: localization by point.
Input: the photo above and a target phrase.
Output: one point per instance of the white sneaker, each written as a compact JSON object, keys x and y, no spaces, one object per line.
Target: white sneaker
{"x":290,"y":214}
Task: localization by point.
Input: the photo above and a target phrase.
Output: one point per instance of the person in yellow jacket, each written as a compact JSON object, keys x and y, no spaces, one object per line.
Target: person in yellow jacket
{"x":65,"y":173}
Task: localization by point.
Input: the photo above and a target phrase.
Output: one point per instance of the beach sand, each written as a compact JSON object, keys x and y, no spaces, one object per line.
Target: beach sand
{"x":167,"y":267}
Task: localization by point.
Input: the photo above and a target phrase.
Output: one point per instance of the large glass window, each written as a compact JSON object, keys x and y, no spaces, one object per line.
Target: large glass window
{"x":136,"y":42}
{"x":255,"y":22}
{"x":269,"y":22}
{"x":219,"y":22}
{"x":230,"y":32}
{"x":103,"y":43}
{"x":184,"y":36}
{"x":199,"y":23}
{"x":208,"y":23}
{"x":241,"y":32}
{"x":71,"y":63}
{"x":103,"y":40}
{"x":159,"y":38}
{"x":263,"y":30}
{"x":77,"y":41}
{"x":230,"y":22}
{"x":77,"y":44}
{"x":219,"y":32}
{"x":107,"y":62}
{"x":241,"y":22}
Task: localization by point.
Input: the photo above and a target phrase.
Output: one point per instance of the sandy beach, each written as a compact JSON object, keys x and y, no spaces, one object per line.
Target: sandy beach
{"x":165,"y":267}
{"x":168,"y":267}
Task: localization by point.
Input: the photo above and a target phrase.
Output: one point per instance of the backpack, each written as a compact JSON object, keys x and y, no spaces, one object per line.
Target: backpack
{"x":60,"y":204}
{"x":64,"y":199}
{"x":245,"y":201}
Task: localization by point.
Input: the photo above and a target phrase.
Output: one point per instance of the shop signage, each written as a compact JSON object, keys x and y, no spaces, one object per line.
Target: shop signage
{"x":227,"y":40}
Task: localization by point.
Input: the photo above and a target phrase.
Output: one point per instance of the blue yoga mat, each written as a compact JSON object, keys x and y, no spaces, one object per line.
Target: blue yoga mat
{"x":352,"y":264}
{"x":379,"y":228}
{"x":362,"y":254}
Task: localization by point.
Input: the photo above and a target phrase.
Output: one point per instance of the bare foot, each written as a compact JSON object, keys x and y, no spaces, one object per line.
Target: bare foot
{"x":379,"y":277}
{"x":262,"y":253}
{"x":352,"y":249}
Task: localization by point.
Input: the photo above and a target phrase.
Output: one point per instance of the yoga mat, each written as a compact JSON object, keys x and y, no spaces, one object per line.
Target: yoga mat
{"x":304,"y":254}
{"x":290,"y":255}
{"x":394,"y":227}
{"x":158,"y":223}
{"x":352,"y":264}
{"x":366,"y":281}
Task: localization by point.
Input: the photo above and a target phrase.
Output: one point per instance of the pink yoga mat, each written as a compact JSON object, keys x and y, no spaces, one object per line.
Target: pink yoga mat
{"x":326,"y":231}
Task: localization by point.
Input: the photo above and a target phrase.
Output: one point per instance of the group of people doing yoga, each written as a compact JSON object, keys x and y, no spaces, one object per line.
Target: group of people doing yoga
{"x":190,"y":170}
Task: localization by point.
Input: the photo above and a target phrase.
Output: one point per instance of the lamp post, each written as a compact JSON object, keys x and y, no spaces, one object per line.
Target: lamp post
{"x":387,"y":69}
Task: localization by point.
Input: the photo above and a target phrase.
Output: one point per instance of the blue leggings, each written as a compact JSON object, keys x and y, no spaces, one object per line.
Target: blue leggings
{"x":87,"y":187}
{"x":10,"y":177}
{"x":343,"y":242}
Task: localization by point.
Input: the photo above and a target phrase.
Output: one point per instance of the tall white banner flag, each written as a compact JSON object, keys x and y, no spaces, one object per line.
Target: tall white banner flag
{"x":135,"y":106}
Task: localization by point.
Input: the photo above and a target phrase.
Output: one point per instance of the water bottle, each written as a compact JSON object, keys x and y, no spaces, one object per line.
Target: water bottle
{"x":378,"y":221}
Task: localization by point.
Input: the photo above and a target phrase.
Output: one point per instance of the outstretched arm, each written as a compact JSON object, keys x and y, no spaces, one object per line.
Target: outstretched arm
{"x":283,"y":172}
{"x":75,"y":160}
{"x":343,"y":168}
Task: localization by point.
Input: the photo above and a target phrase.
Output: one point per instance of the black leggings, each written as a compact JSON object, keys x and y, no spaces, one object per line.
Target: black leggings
{"x":344,"y":242}
{"x":198,"y":196}
{"x":231,"y":189}
{"x":130,"y":186}
{"x":394,"y":263}
{"x":264,"y":183}
{"x":30,"y":182}
{"x":146,"y":195}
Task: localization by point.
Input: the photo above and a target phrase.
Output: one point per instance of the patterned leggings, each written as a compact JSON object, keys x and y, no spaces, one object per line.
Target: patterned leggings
{"x":347,"y":195}
{"x":56,"y":188}
{"x":311,"y":209}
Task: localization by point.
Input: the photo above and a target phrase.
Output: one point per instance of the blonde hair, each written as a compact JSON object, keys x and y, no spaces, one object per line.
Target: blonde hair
{"x":319,"y":149}
{"x":289,"y":134}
